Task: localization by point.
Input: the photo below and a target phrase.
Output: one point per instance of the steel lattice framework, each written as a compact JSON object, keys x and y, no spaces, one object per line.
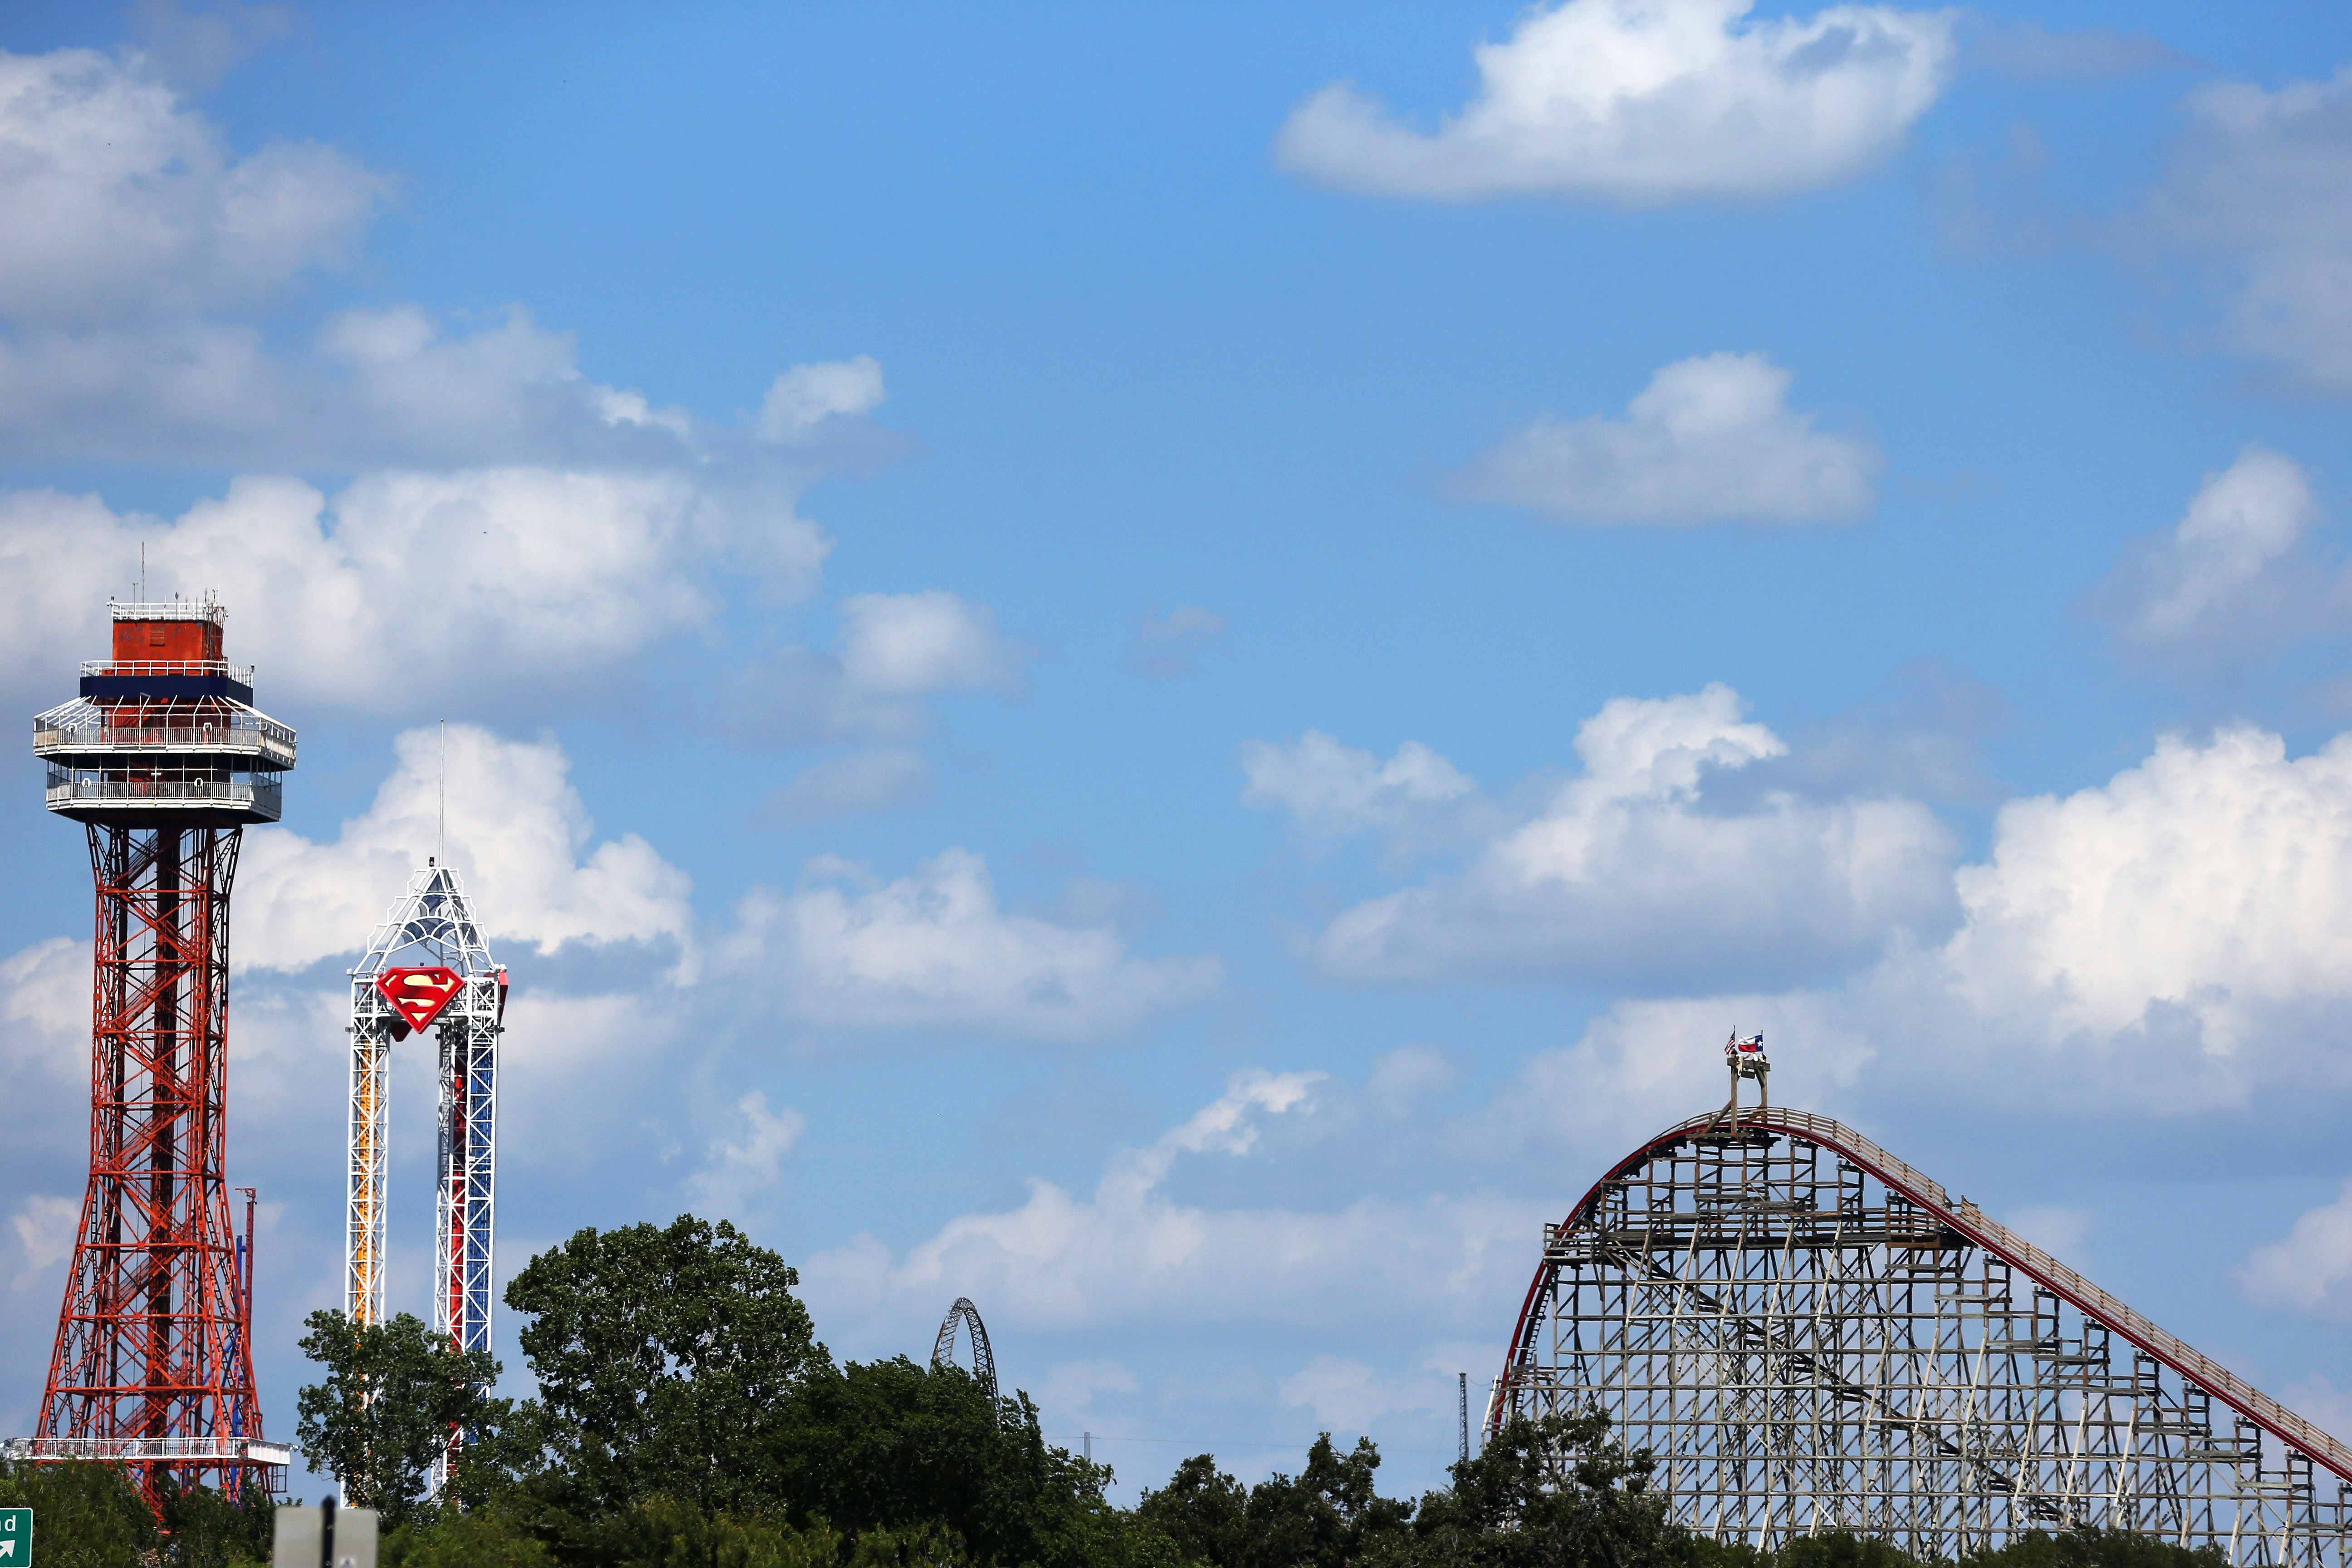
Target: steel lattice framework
{"x":1810,"y":1335}
{"x":164,"y":760}
{"x":430,"y":929}
{"x":984,"y":1360}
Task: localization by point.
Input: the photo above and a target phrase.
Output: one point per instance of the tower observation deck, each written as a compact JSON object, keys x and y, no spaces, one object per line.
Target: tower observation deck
{"x":1809,"y":1335}
{"x":163,"y":760}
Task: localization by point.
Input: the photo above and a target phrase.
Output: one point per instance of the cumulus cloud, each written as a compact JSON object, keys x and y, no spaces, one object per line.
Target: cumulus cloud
{"x":1348,"y":1395}
{"x":895,"y":644}
{"x":935,"y":949}
{"x":44,"y":1227}
{"x":2309,"y":1270}
{"x":1328,"y":788}
{"x":806,"y":396}
{"x":405,"y":581}
{"x":2258,"y":189}
{"x":1642,"y":102}
{"x":1710,"y":438}
{"x":891,"y":653}
{"x":45,"y":1010}
{"x":1130,"y":1252}
{"x":1625,"y":876}
{"x":517,"y":830}
{"x":123,"y":202}
{"x":2171,"y":941}
{"x":2229,"y":576}
{"x":743,"y":1168}
{"x":395,"y":385}
{"x":140,"y":244}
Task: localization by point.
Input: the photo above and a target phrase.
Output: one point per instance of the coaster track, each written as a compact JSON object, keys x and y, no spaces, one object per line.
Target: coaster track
{"x":1810,"y":1335}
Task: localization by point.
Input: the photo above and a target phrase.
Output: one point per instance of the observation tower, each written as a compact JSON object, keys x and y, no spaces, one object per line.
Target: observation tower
{"x":426,"y":966}
{"x":163,"y":760}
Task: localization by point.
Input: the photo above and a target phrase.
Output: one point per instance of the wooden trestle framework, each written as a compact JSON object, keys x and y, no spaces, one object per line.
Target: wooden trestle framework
{"x":1809,"y":1335}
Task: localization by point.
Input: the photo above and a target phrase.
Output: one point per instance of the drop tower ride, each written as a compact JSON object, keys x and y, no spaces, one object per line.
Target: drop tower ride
{"x":163,"y":760}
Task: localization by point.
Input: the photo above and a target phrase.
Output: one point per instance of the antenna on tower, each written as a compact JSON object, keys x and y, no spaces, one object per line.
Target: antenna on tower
{"x":441,"y":802}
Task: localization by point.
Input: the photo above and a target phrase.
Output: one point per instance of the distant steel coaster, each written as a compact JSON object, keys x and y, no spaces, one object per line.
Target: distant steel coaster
{"x":1809,"y":1335}
{"x":983,"y":1361}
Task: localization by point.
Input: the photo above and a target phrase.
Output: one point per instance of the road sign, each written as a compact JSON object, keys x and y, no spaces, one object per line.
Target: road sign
{"x":15,"y":1538}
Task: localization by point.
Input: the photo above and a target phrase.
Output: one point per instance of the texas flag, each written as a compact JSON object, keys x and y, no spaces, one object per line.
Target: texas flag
{"x":1744,"y":1045}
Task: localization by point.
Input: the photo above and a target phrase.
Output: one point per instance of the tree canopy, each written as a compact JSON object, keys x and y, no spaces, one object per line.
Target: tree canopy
{"x":687,"y":1416}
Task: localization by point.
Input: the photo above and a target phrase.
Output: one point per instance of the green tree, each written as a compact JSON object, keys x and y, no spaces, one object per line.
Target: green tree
{"x":207,"y":1528}
{"x":85,"y":1515}
{"x":665,"y":1357}
{"x":383,"y":1416}
{"x":1327,"y":1516}
{"x":891,"y":1446}
{"x":1203,"y":1511}
{"x":1552,"y":1493}
{"x":2095,"y":1548}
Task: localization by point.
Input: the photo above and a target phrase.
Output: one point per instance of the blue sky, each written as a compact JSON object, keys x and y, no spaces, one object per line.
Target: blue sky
{"x":1086,"y":668}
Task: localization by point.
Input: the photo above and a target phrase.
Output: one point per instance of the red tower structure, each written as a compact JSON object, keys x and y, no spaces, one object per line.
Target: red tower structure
{"x":163,"y":760}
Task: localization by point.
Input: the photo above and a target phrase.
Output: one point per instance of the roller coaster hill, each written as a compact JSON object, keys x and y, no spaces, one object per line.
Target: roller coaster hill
{"x":1809,"y":1335}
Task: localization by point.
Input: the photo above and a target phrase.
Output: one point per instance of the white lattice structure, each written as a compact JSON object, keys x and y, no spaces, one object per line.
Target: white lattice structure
{"x":431,"y":932}
{"x":1810,"y":1335}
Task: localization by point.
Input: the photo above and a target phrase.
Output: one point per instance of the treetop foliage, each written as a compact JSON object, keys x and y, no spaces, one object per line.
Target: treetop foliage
{"x":687,"y":1416}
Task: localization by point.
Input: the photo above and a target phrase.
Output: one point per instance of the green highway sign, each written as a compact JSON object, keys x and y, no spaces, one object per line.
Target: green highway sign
{"x":15,"y":1538}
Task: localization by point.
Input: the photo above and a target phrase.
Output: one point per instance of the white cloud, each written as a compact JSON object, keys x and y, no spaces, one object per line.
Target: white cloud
{"x":2169,"y":915}
{"x":1328,"y":788}
{"x":934,"y":950}
{"x":741,"y":1169}
{"x":1348,"y":1396}
{"x":1070,"y":1387}
{"x":2258,"y":185}
{"x":2173,"y":941}
{"x":892,"y":651}
{"x":123,"y":202}
{"x":878,"y":778}
{"x":517,"y":831}
{"x":2228,"y":574}
{"x":405,"y":581}
{"x":2309,"y":1270}
{"x":900,"y":644}
{"x":389,"y":387}
{"x":1647,"y":101}
{"x":45,"y":1010}
{"x":1625,"y":876}
{"x":44,"y":1228}
{"x":807,"y":394}
{"x":1131,"y":1253}
{"x":1710,"y":438}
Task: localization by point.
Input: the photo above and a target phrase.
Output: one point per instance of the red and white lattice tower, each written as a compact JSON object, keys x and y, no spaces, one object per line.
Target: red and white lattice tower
{"x":163,"y":760}
{"x":427,"y":968}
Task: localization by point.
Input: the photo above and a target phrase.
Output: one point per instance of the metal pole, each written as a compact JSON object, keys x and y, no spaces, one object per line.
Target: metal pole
{"x":1465,"y":1416}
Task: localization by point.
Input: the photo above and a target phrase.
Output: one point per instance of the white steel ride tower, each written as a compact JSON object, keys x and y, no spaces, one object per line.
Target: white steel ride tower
{"x":427,"y":967}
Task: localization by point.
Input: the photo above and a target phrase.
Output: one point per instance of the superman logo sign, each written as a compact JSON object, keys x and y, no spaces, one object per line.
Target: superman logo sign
{"x":419,"y":994}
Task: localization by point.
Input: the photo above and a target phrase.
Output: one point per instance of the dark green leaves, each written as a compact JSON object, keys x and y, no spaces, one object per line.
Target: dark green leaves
{"x":392,"y":1391}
